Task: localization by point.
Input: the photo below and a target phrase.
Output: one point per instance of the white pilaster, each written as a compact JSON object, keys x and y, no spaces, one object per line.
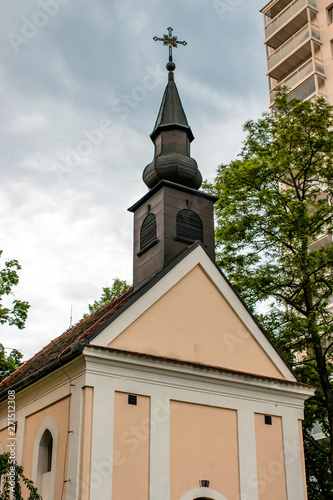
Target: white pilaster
{"x":292,"y":455}
{"x":247,"y":455}
{"x":20,"y":440}
{"x":160,"y":448}
{"x":102,"y":438}
{"x":73,"y":470}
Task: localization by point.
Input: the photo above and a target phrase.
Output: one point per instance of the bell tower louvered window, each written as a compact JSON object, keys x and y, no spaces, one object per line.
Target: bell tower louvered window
{"x":189,"y":226}
{"x":148,"y":236}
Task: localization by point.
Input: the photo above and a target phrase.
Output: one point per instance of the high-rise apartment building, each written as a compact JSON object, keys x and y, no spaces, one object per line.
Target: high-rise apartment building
{"x":299,"y":49}
{"x":299,"y":45}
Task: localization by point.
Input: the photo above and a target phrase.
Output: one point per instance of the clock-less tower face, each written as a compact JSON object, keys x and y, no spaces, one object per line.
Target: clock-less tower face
{"x":167,"y":221}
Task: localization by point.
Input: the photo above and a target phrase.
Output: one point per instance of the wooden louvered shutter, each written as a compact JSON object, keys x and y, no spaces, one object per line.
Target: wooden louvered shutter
{"x":148,"y":232}
{"x":189,"y":226}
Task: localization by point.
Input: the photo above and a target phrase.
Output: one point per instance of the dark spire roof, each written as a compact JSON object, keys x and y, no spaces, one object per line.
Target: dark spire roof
{"x":172,"y":137}
{"x":171,"y":113}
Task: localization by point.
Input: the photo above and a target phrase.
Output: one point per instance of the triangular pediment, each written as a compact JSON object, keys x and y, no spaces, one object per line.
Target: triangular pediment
{"x":192,"y":314}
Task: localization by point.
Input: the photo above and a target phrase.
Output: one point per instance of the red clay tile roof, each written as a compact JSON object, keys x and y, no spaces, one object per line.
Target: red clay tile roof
{"x":63,"y":344}
{"x":48,"y":358}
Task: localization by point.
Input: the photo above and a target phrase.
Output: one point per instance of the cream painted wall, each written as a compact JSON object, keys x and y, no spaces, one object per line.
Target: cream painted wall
{"x":131,"y":441}
{"x":270,"y":459}
{"x":3,"y":437}
{"x":203,"y":445}
{"x":194,"y":322}
{"x":59,"y":413}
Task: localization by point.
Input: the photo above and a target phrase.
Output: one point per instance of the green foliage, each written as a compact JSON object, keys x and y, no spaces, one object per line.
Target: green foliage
{"x":18,"y":312}
{"x":13,"y":478}
{"x":9,"y":363}
{"x":274,"y":209}
{"x":109,"y":293}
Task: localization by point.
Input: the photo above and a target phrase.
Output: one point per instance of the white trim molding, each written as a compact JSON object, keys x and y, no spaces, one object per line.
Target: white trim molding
{"x":206,"y":493}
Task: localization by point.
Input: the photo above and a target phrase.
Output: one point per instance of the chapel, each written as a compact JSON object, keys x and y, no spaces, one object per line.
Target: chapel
{"x":172,"y":391}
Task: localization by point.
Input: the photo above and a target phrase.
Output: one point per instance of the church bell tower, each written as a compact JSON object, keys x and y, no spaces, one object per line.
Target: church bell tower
{"x":174,"y":213}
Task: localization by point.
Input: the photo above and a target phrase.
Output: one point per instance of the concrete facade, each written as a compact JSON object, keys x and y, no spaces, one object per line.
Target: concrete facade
{"x":299,"y":47}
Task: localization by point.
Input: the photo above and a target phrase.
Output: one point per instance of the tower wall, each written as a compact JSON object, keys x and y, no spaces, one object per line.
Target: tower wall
{"x":165,"y":201}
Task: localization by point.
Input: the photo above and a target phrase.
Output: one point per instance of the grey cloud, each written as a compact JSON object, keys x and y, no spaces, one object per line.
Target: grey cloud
{"x":93,"y":61}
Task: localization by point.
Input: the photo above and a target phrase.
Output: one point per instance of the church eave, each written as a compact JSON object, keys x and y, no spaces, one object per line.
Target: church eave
{"x":199,"y":366}
{"x":172,"y":126}
{"x":55,"y":364}
{"x":173,"y":185}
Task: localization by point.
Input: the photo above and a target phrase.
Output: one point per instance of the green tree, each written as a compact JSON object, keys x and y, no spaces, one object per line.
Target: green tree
{"x":17,"y":312}
{"x":274,"y":219}
{"x":14,"y":314}
{"x":9,"y":363}
{"x":109,"y":293}
{"x":13,"y":478}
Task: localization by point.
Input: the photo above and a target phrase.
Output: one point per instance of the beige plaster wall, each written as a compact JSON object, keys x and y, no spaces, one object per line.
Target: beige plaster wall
{"x":59,"y":413}
{"x":270,"y":459}
{"x":203,"y":445}
{"x":131,"y":448}
{"x":4,"y":436}
{"x":194,"y":322}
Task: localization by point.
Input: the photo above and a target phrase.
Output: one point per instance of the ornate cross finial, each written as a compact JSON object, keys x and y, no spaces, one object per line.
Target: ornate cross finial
{"x":171,"y":41}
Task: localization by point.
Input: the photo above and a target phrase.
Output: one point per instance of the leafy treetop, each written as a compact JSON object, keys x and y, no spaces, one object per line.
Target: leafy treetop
{"x":109,"y":293}
{"x":274,"y":224}
{"x":18,"y":312}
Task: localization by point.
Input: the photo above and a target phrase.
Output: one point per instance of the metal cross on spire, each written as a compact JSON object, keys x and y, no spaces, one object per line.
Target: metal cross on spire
{"x":171,"y":41}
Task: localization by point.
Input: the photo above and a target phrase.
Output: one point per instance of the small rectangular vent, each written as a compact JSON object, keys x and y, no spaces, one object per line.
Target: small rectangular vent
{"x":268,"y":420}
{"x":132,"y":400}
{"x":204,"y":483}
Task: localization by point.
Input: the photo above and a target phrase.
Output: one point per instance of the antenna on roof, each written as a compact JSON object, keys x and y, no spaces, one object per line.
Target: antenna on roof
{"x":71,"y":318}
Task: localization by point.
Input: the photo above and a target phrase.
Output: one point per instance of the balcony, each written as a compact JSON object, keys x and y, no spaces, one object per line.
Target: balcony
{"x":298,"y":77}
{"x":292,"y":53}
{"x":290,"y":20}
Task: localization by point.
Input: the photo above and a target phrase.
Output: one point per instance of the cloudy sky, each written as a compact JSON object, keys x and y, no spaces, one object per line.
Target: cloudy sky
{"x":81,"y":84}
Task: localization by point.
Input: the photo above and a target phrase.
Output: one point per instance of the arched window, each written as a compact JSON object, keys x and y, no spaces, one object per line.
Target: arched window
{"x":203,"y":494}
{"x":188,"y":226}
{"x":44,"y":467}
{"x":45,"y":452}
{"x":148,"y":236}
{"x":45,"y":458}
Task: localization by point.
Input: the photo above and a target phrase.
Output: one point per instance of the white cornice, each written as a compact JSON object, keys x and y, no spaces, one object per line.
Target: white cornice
{"x":168,"y":373}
